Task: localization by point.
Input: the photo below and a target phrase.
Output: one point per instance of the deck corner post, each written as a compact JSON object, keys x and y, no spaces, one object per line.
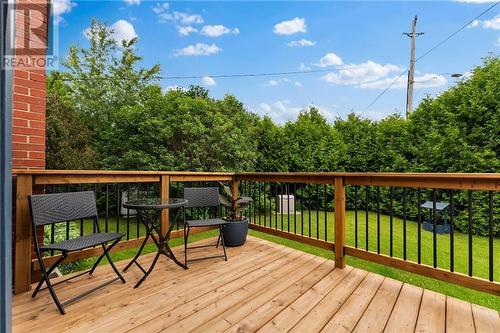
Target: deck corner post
{"x":164,"y":194}
{"x":340,"y":217}
{"x":22,"y":260}
{"x":235,"y":191}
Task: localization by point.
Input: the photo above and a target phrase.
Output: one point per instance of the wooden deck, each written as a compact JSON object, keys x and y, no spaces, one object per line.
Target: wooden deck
{"x":263,"y":287}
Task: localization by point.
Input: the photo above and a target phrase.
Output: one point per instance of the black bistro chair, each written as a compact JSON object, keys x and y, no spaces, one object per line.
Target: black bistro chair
{"x":62,"y":207}
{"x":203,"y":197}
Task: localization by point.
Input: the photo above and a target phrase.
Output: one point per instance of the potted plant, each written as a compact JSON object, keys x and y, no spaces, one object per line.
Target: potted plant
{"x":235,"y":232}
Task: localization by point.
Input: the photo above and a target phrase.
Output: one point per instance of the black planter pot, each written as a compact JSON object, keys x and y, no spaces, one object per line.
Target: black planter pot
{"x":235,"y":232}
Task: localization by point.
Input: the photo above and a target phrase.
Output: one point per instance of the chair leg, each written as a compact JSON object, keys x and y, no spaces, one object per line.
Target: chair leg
{"x":186,"y":236}
{"x":222,"y":242}
{"x":218,"y":240}
{"x":45,"y":277}
{"x":106,"y":254}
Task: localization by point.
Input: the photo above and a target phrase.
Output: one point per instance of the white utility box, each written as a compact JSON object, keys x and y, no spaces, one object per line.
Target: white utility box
{"x":285,"y":203}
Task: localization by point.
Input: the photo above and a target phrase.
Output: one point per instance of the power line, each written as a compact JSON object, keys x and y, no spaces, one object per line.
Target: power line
{"x":386,"y":89}
{"x":430,"y":50}
{"x":458,"y":31}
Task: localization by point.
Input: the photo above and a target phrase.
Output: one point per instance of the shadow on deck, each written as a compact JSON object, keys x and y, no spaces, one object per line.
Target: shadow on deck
{"x":263,"y":286}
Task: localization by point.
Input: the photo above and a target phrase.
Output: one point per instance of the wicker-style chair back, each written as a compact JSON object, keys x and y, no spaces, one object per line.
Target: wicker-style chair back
{"x":60,"y":207}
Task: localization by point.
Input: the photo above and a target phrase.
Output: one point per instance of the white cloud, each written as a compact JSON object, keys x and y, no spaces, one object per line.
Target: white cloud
{"x":291,"y":27}
{"x":208,"y":81}
{"x":161,"y":7}
{"x":60,"y":7}
{"x":164,"y":15}
{"x":304,"y":67}
{"x":493,"y":23}
{"x":169,"y":88}
{"x":133,"y":2}
{"x":301,"y":42}
{"x":218,"y":30}
{"x":186,"y":30}
{"x":424,"y":81}
{"x":277,"y":82}
{"x":198,"y":49}
{"x":123,"y":30}
{"x":330,"y":59}
{"x":282,"y":111}
{"x":356,"y":74}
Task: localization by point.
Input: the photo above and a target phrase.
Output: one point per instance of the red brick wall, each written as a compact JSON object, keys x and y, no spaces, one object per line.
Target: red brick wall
{"x":28,"y":99}
{"x":28,"y":114}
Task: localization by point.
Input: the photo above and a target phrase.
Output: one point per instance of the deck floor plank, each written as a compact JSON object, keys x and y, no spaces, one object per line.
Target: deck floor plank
{"x":319,"y":316}
{"x":404,"y":315}
{"x":459,"y":316}
{"x":189,"y":315}
{"x":379,"y":310}
{"x":486,"y":320}
{"x":263,"y":287}
{"x":432,"y":315}
{"x":353,"y":309}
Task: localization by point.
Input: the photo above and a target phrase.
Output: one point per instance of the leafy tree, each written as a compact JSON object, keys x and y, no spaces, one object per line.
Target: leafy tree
{"x":313,"y":144}
{"x":359,"y":136}
{"x":105,"y":76}
{"x":68,"y":136}
{"x":176,"y":131}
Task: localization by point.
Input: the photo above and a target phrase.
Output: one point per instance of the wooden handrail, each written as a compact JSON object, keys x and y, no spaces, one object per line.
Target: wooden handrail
{"x":27,"y":179}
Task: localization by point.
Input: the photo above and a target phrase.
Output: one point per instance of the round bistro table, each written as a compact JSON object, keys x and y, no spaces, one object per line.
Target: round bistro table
{"x":149,"y":212}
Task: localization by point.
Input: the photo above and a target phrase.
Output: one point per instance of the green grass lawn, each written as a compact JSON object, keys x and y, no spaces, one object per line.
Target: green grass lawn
{"x":480,"y":249}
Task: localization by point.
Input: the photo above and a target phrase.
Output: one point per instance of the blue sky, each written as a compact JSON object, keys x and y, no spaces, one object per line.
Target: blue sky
{"x":361,"y":43}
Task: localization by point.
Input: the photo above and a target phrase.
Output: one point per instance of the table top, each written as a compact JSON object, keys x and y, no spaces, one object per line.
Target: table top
{"x":155,"y":203}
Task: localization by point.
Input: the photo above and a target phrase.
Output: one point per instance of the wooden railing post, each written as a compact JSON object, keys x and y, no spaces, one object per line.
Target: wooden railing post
{"x":235,"y":191}
{"x":22,"y":260}
{"x":339,"y":198}
{"x":165,"y":194}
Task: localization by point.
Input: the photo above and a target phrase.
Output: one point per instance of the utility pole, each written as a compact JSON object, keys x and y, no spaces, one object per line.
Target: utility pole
{"x":411,"y":71}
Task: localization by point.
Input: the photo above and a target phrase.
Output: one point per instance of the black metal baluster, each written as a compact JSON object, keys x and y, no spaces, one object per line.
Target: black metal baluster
{"x":367,"y":192}
{"x":302,"y":211}
{"x":81,"y":220}
{"x":470,"y":230}
{"x":276,"y":204}
{"x":106,"y":227}
{"x":309,"y":211}
{"x":356,"y":216}
{"x":254,"y":184}
{"x":137,"y":221}
{"x":265,"y":213}
{"x":404,"y":223}
{"x":419,"y":230}
{"x":317,"y":211}
{"x":391,"y":220}
{"x":128,"y":212}
{"x":258,"y":195}
{"x":52,"y":226}
{"x":378,"y":219}
{"x":452,"y":233}
{"x":294,"y":208}
{"x":94,"y":188}
{"x":67,"y":222}
{"x":490,"y":233}
{"x":287,"y":206}
{"x":434,"y":226}
{"x":326,"y":216}
{"x":118,"y":207}
{"x":270,"y":205}
{"x":281,"y":206}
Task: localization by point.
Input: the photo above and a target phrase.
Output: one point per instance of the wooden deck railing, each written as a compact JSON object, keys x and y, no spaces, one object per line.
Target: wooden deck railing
{"x":318,"y":215}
